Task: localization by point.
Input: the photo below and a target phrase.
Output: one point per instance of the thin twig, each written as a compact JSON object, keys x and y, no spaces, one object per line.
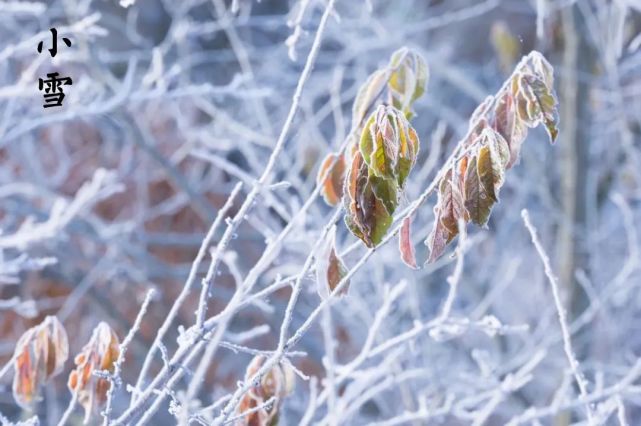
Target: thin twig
{"x":193,"y":272}
{"x":567,"y":342}
{"x":121,"y":357}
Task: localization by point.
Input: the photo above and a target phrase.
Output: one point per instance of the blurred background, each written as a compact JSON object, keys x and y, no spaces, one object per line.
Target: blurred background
{"x":174,"y":102}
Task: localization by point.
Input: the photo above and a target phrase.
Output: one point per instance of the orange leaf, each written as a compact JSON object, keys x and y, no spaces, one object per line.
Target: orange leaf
{"x":99,"y":354}
{"x":39,"y":355}
{"x":333,"y":170}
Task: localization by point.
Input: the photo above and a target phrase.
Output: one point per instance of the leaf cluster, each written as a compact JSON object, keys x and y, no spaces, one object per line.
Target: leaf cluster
{"x":470,"y":187}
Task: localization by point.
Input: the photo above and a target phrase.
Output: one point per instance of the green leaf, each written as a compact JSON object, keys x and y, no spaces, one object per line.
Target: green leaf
{"x":376,"y":218}
{"x":404,"y":167}
{"x":353,"y":227}
{"x":367,"y":215}
{"x":386,"y":190}
{"x":379,"y":142}
{"x":408,"y":150}
{"x":368,"y":135}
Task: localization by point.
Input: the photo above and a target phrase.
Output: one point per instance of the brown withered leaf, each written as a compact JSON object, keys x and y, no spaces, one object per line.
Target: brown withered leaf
{"x":99,"y":354}
{"x":536,"y":103}
{"x":489,"y":175}
{"x":546,"y":106}
{"x":408,"y":79}
{"x":367,"y":94}
{"x":333,"y":169}
{"x":462,"y":167}
{"x":405,"y":245}
{"x":438,"y":237}
{"x":450,"y":203}
{"x":477,"y":202}
{"x":447,"y":212}
{"x":330,"y":269}
{"x":493,"y":157}
{"x":542,"y":68}
{"x":509,"y":126}
{"x":277,"y":383}
{"x":498,"y":127}
{"x":355,"y":181}
{"x":40,"y":354}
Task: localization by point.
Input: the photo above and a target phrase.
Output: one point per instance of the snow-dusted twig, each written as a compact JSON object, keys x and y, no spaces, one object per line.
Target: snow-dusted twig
{"x":560,"y":309}
{"x":116,"y":379}
{"x":187,"y":287}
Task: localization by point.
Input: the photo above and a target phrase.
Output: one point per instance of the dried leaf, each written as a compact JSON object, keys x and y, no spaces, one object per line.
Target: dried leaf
{"x":499,"y":148}
{"x":492,"y":160}
{"x":333,"y":168}
{"x":450,"y":203}
{"x":330,"y":269}
{"x":497,"y":130}
{"x":355,"y":181}
{"x":477,"y":202}
{"x":407,"y":80}
{"x":542,"y":68}
{"x":536,"y":103}
{"x":405,"y":245}
{"x":509,"y":125}
{"x":367,"y":94}
{"x":278,"y":382}
{"x":99,"y":354}
{"x":39,"y":355}
{"x":546,"y":104}
{"x":447,"y":212}
{"x":437,"y":239}
{"x":489,"y":175}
